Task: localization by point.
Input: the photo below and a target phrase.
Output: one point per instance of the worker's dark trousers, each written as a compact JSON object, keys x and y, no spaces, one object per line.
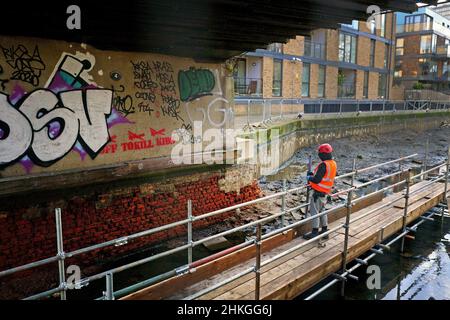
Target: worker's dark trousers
{"x":316,"y":206}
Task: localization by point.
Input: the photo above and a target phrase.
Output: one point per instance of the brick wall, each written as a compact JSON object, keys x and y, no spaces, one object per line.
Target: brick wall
{"x":27,"y":227}
{"x":267,"y":74}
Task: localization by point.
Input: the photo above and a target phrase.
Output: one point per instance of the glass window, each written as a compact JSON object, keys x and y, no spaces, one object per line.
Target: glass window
{"x":321,"y":82}
{"x":275,"y":47}
{"x":399,"y":50}
{"x":277,"y":77}
{"x":428,"y":43}
{"x":383,"y":25}
{"x":372,"y":53}
{"x":366,"y":85}
{"x":386,"y":55}
{"x":382,"y":86}
{"x":347,"y":48}
{"x":373,"y":26}
{"x":305,"y":79}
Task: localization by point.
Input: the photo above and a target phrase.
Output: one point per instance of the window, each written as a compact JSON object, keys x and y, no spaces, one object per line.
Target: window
{"x":382,"y":86}
{"x":347,"y":48}
{"x":366,"y":85}
{"x":383,"y":25}
{"x":372,"y":53}
{"x":305,"y":79}
{"x":373,"y":26}
{"x":277,"y":77}
{"x":418,"y":22}
{"x":427,"y":44}
{"x":321,"y":82}
{"x":239,"y":74}
{"x":386,"y":55}
{"x":399,"y":47}
{"x":398,"y":69}
{"x":275,"y":47}
{"x":427,"y":67}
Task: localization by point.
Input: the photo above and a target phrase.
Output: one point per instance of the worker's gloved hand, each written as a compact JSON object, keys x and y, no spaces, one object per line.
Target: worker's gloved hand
{"x":308,"y":178}
{"x":309,"y":173}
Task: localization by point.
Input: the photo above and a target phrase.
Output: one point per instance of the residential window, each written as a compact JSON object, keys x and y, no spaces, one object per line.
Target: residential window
{"x":386,"y":55}
{"x":427,"y":44}
{"x":347,"y":48}
{"x":239,"y":74}
{"x":418,"y":22}
{"x":382,"y":85}
{"x":398,"y":69}
{"x":427,"y":67}
{"x":277,"y":77}
{"x":372,"y":53}
{"x":383,"y":25}
{"x":275,"y":47}
{"x":366,"y":85}
{"x":305,"y":79}
{"x":373,"y":26}
{"x":399,"y":47}
{"x":321,"y":82}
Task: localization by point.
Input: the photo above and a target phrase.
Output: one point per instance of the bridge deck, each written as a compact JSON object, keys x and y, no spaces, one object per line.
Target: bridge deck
{"x":296,"y":272}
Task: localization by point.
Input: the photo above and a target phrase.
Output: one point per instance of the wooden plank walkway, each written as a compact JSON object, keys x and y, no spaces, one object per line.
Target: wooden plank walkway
{"x":296,"y":272}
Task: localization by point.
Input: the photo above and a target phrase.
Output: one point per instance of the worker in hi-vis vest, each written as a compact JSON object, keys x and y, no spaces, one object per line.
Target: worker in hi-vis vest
{"x":321,"y":182}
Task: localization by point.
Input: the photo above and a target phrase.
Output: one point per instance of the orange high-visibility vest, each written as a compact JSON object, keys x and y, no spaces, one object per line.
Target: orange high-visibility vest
{"x":327,"y":182}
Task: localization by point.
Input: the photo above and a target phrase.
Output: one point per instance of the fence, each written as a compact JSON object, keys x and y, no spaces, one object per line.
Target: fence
{"x":266,"y":111}
{"x":190,"y":219}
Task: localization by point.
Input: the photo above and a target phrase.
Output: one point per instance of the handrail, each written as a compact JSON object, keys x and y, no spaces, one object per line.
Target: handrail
{"x":297,"y":247}
{"x":63,"y":286}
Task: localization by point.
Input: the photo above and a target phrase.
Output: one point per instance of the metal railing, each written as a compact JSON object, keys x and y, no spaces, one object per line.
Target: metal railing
{"x":61,"y":255}
{"x":350,"y":202}
{"x":266,"y":111}
{"x":248,"y":86}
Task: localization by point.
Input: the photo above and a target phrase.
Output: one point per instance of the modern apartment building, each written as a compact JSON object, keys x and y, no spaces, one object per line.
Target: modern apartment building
{"x":422,"y":50}
{"x":355,"y":61}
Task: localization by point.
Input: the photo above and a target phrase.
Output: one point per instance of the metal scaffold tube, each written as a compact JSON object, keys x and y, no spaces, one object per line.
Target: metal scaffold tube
{"x":61,"y":256}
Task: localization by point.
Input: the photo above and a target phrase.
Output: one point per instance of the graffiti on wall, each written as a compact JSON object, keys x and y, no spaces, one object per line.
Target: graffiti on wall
{"x":142,"y":140}
{"x":3,"y":82}
{"x":156,"y":89}
{"x":69,"y":114}
{"x":27,"y":66}
{"x":123,"y":102}
{"x":195,"y":83}
{"x":45,"y":126}
{"x":202,"y":82}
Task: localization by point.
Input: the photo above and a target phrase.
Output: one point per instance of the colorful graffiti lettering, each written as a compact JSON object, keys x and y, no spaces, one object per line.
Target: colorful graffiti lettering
{"x":195,"y":83}
{"x":69,"y":114}
{"x":46,"y":126}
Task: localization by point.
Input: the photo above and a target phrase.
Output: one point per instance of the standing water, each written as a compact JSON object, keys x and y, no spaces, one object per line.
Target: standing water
{"x":422,"y":272}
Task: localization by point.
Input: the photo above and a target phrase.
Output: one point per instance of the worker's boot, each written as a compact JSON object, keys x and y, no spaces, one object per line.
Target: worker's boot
{"x":327,"y":236}
{"x":312,"y":234}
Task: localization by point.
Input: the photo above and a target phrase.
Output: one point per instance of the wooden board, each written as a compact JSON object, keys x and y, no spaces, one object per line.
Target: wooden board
{"x":296,"y":272}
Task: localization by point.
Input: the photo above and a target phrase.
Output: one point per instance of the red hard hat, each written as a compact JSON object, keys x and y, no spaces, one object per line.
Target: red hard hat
{"x":325,"y":148}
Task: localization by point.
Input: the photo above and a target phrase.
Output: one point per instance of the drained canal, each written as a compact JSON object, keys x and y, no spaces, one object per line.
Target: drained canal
{"x":421,"y":272}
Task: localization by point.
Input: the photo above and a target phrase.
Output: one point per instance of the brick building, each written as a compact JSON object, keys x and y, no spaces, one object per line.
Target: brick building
{"x":422,"y":50}
{"x":352,"y":62}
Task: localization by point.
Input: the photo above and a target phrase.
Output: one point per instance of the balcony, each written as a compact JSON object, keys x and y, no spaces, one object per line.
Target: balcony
{"x":248,"y":87}
{"x":314,"y":49}
{"x":346,"y":91}
{"x":443,"y":51}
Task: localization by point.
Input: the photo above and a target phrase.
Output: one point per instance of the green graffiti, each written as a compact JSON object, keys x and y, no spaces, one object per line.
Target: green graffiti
{"x":195,"y":83}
